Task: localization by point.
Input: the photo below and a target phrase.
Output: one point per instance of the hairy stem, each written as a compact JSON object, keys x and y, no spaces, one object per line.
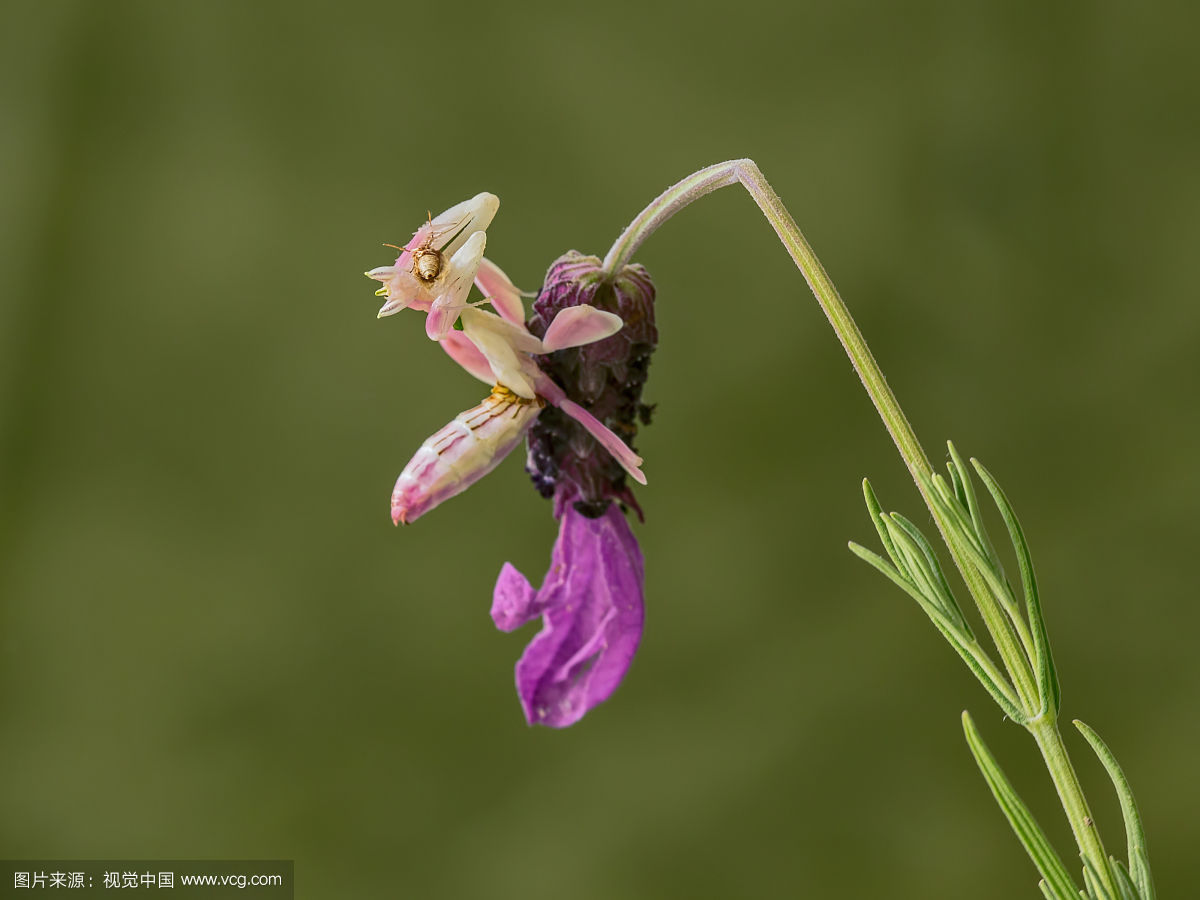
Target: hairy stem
{"x":1070,"y":793}
{"x":746,"y":173}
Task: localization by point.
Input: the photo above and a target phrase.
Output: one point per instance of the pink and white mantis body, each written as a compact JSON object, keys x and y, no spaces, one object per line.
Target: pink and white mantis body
{"x":496,"y":348}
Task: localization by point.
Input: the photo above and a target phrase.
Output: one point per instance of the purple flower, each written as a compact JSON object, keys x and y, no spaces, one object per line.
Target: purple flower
{"x":590,"y":603}
{"x":571,"y":380}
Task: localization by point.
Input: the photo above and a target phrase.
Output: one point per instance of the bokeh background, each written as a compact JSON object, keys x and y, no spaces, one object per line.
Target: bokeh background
{"x":214,"y":643}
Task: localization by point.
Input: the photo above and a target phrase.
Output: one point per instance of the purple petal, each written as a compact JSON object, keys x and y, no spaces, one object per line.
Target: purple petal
{"x":513,"y":601}
{"x":591,"y":609}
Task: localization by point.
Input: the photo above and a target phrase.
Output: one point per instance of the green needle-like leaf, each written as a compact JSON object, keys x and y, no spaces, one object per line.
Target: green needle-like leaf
{"x":1050,"y":893}
{"x":1002,"y":593}
{"x":1019,"y":817}
{"x":923,"y":569}
{"x":1141,"y":874}
{"x":968,"y":649}
{"x":1046,"y":673}
{"x":956,"y":482}
{"x":985,"y":541}
{"x":938,"y":578}
{"x":914,"y":561}
{"x":1094,"y":882}
{"x":1134,"y":833}
{"x":870,"y":556}
{"x":996,"y":602}
{"x":877,"y":517}
{"x":1125,"y":886}
{"x":954,"y":512}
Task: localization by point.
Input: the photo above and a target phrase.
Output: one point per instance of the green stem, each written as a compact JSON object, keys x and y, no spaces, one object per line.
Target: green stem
{"x":1070,"y":793}
{"x":746,"y":173}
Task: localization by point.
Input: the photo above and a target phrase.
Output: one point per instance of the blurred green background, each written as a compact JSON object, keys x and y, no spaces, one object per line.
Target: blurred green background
{"x":214,"y":643}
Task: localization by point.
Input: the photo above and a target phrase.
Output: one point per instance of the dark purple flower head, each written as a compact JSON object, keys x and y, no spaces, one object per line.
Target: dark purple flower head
{"x":606,"y":377}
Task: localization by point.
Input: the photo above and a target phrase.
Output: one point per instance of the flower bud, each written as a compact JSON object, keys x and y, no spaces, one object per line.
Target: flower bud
{"x":605,"y":377}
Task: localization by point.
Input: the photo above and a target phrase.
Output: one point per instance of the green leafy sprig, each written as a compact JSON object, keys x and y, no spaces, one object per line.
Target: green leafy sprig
{"x":1018,"y":630}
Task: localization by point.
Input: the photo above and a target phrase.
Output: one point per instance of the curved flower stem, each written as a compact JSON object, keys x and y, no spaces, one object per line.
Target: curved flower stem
{"x":746,"y":173}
